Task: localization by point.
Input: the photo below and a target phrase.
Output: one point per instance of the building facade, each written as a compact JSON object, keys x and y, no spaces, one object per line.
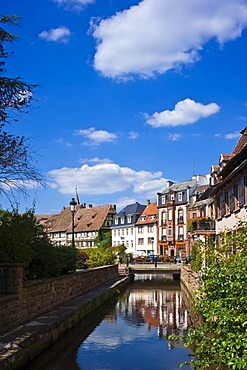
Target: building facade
{"x":147,"y":231}
{"x":230,"y":193}
{"x":173,"y":212}
{"x":88,"y":222}
{"x":124,"y":229}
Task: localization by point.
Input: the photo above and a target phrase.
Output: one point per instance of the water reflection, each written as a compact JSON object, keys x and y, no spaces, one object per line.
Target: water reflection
{"x":135,"y":333}
{"x":128,"y":333}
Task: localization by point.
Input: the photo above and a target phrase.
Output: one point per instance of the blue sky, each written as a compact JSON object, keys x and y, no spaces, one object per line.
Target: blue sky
{"x":130,"y":93}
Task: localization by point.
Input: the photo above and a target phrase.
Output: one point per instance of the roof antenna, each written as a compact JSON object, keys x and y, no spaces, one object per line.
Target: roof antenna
{"x":193,"y":166}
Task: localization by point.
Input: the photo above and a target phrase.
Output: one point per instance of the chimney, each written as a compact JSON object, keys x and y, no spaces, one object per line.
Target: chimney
{"x":148,"y":202}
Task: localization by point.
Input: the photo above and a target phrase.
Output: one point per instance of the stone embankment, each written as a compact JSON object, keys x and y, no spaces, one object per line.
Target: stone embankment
{"x":24,"y":341}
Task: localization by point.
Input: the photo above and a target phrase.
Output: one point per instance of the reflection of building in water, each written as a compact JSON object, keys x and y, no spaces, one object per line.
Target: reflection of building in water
{"x":158,"y":308}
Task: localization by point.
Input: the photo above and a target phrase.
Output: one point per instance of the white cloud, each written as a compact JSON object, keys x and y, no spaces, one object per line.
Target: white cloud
{"x":61,"y":34}
{"x":64,"y":142}
{"x":173,"y":137}
{"x":95,"y":160}
{"x":230,"y":136}
{"x":133,"y":135}
{"x":97,"y":137}
{"x":185,"y":112}
{"x":108,"y":178}
{"x":73,"y":4}
{"x":158,"y":35}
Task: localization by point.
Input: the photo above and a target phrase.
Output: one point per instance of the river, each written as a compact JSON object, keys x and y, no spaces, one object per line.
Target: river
{"x":129,"y":332}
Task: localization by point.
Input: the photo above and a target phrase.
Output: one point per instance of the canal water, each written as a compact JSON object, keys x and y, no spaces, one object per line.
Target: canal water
{"x":129,"y":332}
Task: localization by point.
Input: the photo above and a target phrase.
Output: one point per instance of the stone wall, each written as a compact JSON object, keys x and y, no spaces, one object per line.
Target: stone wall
{"x":189,"y":279}
{"x":189,"y":289}
{"x":24,"y":301}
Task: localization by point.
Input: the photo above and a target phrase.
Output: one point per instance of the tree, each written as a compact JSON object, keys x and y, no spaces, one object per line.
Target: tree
{"x":23,"y":240}
{"x":17,"y":159}
{"x":221,"y":341}
{"x":104,"y":239}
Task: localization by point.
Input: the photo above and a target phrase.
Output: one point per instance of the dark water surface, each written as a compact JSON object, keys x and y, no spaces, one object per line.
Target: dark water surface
{"x":130,"y":332}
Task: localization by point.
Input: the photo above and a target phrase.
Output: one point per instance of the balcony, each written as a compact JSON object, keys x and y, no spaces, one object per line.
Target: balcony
{"x":164,"y":238}
{"x":201,"y":224}
{"x":180,"y":220}
{"x":180,"y":238}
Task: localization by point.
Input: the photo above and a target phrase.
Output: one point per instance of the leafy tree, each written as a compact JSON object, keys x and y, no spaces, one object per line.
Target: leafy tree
{"x":104,"y":239}
{"x":221,"y":341}
{"x":23,"y":240}
{"x":17,"y":159}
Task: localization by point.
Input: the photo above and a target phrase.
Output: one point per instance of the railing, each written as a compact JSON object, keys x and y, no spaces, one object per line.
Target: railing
{"x":164,"y":238}
{"x":208,"y":225}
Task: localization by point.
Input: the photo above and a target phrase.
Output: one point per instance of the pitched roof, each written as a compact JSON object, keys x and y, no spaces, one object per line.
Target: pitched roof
{"x":242,"y":142}
{"x":179,"y":186}
{"x":131,"y":209}
{"x":85,"y":219}
{"x":150,"y":210}
{"x":93,"y":218}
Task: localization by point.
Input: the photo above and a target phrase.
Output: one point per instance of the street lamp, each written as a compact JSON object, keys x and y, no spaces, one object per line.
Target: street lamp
{"x":73,"y":204}
{"x":152,"y":241}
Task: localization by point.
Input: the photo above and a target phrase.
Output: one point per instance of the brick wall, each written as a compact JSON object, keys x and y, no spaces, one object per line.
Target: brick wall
{"x":24,"y":301}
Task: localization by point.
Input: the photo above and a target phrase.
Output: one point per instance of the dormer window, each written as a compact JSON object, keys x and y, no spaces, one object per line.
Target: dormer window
{"x":152,"y":217}
{"x":143,"y":218}
{"x":129,"y":219}
{"x":122,"y":220}
{"x":180,"y":196}
{"x":116,"y":221}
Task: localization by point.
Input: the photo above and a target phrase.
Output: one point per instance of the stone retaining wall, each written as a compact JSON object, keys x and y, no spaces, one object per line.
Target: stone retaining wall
{"x":24,"y":301}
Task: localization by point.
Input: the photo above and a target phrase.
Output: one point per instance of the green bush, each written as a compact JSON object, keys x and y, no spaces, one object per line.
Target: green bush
{"x":68,"y":257}
{"x":98,"y":257}
{"x":221,"y":341}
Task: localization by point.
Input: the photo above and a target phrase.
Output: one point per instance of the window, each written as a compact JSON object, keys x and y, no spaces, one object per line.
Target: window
{"x":122,"y":231}
{"x":170,"y":231}
{"x":180,"y":196}
{"x":222,"y":205}
{"x":172,"y":196}
{"x":116,"y":221}
{"x":180,"y":216}
{"x":140,"y":229}
{"x":118,"y":232}
{"x":127,"y":231}
{"x":129,"y":219}
{"x":163,"y":199}
{"x":122,"y":220}
{"x":241,"y":199}
{"x":150,"y":228}
{"x":143,"y":218}
{"x":152,"y":217}
{"x":115,"y":232}
{"x":140,"y":241}
{"x":170,"y":214}
{"x":181,"y":233}
{"x":231,"y":199}
{"x":132,"y":231}
{"x":150,"y":241}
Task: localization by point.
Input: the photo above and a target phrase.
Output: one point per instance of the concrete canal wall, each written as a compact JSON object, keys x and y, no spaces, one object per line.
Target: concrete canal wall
{"x":23,"y":301}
